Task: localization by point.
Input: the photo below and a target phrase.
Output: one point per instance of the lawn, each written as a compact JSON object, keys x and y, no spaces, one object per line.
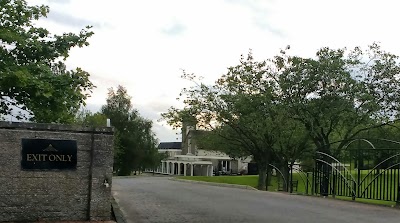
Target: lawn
{"x":251,"y":180}
{"x":248,"y":180}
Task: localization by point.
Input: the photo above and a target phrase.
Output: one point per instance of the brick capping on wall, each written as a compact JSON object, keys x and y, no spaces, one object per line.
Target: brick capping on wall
{"x":55,"y":127}
{"x":77,"y":194}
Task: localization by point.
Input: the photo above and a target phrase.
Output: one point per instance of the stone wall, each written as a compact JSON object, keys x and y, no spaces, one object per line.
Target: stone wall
{"x":56,"y":194}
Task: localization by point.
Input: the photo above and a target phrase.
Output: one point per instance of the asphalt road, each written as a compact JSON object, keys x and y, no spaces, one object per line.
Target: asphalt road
{"x":158,"y":199}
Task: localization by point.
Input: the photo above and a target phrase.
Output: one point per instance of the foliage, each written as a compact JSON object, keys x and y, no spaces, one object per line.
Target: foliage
{"x":293,"y":142}
{"x":293,"y":145}
{"x":153,"y":159}
{"x":134,"y":143}
{"x":272,"y":109}
{"x":340,"y":93}
{"x":384,"y":137}
{"x":32,"y":76}
{"x":87,"y":118}
{"x":241,"y":109}
{"x":215,"y":141}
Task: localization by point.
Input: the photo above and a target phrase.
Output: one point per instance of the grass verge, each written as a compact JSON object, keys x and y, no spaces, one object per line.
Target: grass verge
{"x":248,"y":180}
{"x":252,"y":180}
{"x":368,"y":201}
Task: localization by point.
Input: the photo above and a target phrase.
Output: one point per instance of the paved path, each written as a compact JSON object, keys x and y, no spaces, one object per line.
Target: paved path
{"x":158,"y":199}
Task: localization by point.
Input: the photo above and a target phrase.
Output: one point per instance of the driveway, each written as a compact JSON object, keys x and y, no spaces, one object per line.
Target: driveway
{"x":158,"y":199}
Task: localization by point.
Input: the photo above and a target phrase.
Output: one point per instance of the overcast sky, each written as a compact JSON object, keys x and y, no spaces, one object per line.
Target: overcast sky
{"x":144,"y":45}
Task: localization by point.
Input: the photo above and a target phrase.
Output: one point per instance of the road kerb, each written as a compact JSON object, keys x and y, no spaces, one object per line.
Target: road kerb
{"x":215,"y":184}
{"x":119,"y":216}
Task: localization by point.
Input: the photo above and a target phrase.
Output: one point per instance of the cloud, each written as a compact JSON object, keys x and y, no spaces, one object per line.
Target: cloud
{"x":143,"y":47}
{"x":261,"y":11}
{"x":162,"y":130}
{"x":174,"y":29}
{"x":165,"y":134}
{"x":264,"y":25}
{"x":70,"y":20}
{"x":94,"y":108}
{"x":59,"y":1}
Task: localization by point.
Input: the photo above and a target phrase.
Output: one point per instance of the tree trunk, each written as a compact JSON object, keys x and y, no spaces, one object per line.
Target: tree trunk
{"x":262,"y":176}
{"x":285,"y":177}
{"x":325,"y":170}
{"x":269,"y":177}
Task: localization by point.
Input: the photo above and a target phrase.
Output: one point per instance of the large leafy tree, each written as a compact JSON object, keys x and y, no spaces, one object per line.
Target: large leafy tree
{"x":33,"y":77}
{"x":218,"y":140}
{"x":293,"y":144}
{"x":340,"y":93}
{"x":330,"y":98}
{"x":240,"y":107}
{"x":134,"y":142}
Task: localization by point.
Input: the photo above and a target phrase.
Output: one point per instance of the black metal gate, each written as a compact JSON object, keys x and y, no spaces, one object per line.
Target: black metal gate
{"x":368,"y":173}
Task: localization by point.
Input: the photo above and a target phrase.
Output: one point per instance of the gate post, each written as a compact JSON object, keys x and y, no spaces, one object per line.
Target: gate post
{"x":359,"y":166}
{"x":333,"y":183}
{"x":307,"y":183}
{"x":291,"y":179}
{"x":398,"y":188}
{"x":313,"y":181}
{"x":325,"y":180}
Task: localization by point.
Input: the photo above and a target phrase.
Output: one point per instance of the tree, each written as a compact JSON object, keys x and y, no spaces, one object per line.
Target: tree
{"x":330,"y":100}
{"x":293,"y":145}
{"x":215,"y":140}
{"x":240,"y":107}
{"x":154,"y":158}
{"x":33,"y":77}
{"x":340,"y":93}
{"x":134,"y":141}
{"x":87,"y":118}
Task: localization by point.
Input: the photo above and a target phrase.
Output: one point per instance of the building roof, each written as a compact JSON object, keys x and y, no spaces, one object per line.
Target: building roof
{"x":204,"y":157}
{"x":170,"y":145}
